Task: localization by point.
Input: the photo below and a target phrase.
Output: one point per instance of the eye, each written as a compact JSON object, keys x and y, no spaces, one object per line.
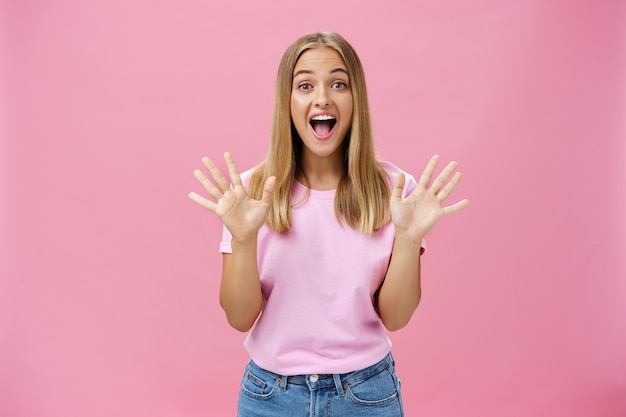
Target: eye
{"x":339,"y":85}
{"x":304,"y":86}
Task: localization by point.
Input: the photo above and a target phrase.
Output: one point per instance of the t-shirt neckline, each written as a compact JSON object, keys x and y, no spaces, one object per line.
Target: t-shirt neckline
{"x":300,"y":189}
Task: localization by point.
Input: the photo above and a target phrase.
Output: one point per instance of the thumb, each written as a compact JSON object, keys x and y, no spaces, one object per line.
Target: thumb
{"x":268,"y":190}
{"x":398,"y":186}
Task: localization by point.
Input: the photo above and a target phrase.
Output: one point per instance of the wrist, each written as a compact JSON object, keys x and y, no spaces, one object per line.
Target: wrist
{"x":244,"y":242}
{"x":408,"y":239}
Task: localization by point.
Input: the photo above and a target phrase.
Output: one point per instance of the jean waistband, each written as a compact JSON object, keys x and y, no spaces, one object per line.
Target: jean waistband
{"x":338,"y":380}
{"x":347,"y":377}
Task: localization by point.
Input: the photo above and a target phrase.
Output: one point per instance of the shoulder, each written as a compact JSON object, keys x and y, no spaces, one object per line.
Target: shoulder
{"x":392,"y":172}
{"x":391,"y":169}
{"x":246,"y":177}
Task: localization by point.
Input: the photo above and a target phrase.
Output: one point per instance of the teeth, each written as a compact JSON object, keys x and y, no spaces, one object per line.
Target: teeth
{"x":323,"y":117}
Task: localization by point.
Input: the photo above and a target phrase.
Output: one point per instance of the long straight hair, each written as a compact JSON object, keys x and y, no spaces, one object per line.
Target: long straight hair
{"x":362,"y":197}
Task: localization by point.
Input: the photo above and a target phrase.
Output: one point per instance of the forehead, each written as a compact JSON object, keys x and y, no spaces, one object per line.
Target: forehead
{"x":319,"y":59}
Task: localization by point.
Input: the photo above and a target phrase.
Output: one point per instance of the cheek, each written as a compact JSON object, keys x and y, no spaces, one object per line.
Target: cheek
{"x":292,"y":105}
{"x":298,"y":116}
{"x":298,"y":104}
{"x":348,"y":110}
{"x":347,"y":105}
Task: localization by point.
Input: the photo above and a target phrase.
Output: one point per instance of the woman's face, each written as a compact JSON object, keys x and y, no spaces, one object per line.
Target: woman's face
{"x":321,"y":103}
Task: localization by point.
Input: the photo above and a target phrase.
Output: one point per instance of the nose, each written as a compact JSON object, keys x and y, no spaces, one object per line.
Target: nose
{"x":322,"y":97}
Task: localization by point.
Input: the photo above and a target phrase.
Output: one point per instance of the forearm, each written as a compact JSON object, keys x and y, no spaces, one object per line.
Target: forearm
{"x":401,"y":291}
{"x":240,"y":291}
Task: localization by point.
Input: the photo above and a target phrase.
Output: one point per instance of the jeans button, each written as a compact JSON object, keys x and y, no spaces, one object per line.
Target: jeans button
{"x":314,"y":378}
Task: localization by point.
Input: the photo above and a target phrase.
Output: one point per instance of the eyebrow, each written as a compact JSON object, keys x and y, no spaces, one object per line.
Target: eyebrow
{"x":306,"y":71}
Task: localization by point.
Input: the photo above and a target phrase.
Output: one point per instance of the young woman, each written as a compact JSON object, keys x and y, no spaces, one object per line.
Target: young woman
{"x":321,"y":244}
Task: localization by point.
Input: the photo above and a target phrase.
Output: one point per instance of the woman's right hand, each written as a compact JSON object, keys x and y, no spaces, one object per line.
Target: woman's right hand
{"x":242,"y":216}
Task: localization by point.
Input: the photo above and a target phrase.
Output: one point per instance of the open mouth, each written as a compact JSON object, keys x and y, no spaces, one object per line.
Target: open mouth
{"x":323,"y":125}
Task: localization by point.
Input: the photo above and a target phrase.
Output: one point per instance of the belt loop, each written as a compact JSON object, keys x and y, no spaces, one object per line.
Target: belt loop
{"x":283,"y":382}
{"x":338,"y":385}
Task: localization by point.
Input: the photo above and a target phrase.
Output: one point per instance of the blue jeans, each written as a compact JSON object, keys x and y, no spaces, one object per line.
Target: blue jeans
{"x":373,"y":391}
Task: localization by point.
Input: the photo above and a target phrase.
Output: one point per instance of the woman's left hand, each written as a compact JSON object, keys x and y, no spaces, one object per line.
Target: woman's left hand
{"x":416,"y":214}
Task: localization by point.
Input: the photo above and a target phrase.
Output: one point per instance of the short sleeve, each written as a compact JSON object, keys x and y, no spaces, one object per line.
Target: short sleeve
{"x":225,"y":243}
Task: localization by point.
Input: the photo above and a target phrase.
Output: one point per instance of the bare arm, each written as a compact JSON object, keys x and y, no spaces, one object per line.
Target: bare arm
{"x":240,"y":290}
{"x":413,"y":217}
{"x":401,"y":291}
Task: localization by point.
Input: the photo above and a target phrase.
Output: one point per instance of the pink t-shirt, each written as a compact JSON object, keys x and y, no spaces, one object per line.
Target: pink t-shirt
{"x":318,"y":281}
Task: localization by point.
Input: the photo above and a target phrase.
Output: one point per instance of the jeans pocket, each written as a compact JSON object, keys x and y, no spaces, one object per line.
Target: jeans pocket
{"x":377,"y":390}
{"x":259,"y":384}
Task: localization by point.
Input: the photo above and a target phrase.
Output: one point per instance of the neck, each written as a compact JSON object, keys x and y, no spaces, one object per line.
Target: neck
{"x":320,"y":173}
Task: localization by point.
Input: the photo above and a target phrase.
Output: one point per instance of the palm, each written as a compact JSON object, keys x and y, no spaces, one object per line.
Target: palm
{"x":241,"y":215}
{"x":416,"y":214}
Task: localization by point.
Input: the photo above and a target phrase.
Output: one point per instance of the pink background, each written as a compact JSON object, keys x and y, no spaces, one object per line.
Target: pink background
{"x":109,"y":274}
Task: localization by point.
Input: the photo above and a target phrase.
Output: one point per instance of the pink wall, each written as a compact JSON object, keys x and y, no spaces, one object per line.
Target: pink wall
{"x":109,"y":275}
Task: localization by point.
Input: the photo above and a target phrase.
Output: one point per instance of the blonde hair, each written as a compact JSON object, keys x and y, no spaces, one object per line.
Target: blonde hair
{"x":362,"y":197}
